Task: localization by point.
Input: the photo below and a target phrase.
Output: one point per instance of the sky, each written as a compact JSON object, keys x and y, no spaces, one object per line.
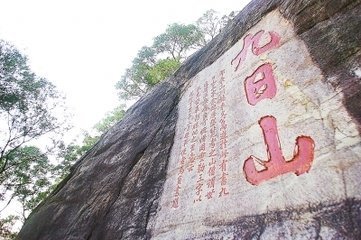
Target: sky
{"x":84,"y":46}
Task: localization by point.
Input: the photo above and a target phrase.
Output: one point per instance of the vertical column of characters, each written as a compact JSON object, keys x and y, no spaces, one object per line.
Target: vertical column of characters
{"x":211,"y":182}
{"x":261,"y":85}
{"x":195,"y":124}
{"x":223,"y":136}
{"x":183,"y":155}
{"x":202,"y":145}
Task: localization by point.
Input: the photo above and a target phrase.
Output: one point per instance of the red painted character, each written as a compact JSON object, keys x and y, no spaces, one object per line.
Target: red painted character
{"x":254,"y":40}
{"x":260,"y":85}
{"x":276,"y":164}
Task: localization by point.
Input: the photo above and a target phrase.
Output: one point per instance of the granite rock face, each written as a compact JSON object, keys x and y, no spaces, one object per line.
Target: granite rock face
{"x":256,"y":136}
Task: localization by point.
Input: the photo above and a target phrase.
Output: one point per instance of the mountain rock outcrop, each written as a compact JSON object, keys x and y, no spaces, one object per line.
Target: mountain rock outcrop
{"x":256,"y":136}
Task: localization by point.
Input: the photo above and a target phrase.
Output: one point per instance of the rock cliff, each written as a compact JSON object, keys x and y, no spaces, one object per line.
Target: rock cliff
{"x":256,"y":136}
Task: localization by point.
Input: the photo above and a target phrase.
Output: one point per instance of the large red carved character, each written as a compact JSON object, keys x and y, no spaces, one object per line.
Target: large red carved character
{"x":254,"y":40}
{"x":261,"y":84}
{"x":276,"y":163}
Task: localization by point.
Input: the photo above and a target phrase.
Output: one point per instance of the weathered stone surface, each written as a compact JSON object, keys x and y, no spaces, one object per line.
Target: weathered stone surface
{"x":214,"y":186}
{"x":125,"y":187}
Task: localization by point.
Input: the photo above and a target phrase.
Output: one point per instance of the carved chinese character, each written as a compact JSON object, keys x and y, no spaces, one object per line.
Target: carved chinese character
{"x":260,"y":85}
{"x":201,"y":167}
{"x":276,"y":164}
{"x":254,"y":40}
{"x":211,"y":182}
{"x":209,"y":194}
{"x":224,"y":178}
{"x":175,"y":203}
{"x":212,"y":170}
{"x":223,"y":192}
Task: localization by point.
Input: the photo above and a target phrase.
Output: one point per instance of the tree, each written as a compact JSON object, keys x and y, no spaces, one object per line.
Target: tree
{"x":29,"y":108}
{"x":156,"y":63}
{"x":29,"y":180}
{"x":69,"y":154}
{"x":27,"y":104}
{"x":161,"y":70}
{"x":144,"y":73}
{"x":6,"y":225}
{"x":134,"y":82}
{"x":211,"y":24}
{"x":177,"y":40}
{"x":169,"y":49}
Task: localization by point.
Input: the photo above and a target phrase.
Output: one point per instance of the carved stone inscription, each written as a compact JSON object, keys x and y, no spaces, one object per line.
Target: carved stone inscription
{"x":261,"y":85}
{"x":258,"y":130}
{"x":204,"y":143}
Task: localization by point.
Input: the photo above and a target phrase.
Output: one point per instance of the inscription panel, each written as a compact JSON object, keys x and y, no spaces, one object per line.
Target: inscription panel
{"x":258,"y":130}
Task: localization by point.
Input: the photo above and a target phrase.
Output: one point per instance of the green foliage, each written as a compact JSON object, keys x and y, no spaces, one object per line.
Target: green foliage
{"x":110,"y":119}
{"x":156,"y":63}
{"x":71,"y":153}
{"x":27,"y":112}
{"x":211,"y":24}
{"x":146,"y":55}
{"x":177,"y":40}
{"x":6,"y":225}
{"x":27,"y":177}
{"x":133,"y":83}
{"x":27,"y":103}
{"x":144,"y":74}
{"x":161,"y":70}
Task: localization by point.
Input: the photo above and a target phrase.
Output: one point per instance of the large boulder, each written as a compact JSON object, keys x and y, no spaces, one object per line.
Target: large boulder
{"x":256,"y":136}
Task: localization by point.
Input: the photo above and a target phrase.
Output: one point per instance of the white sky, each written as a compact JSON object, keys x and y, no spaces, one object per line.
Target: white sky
{"x":84,"y":46}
